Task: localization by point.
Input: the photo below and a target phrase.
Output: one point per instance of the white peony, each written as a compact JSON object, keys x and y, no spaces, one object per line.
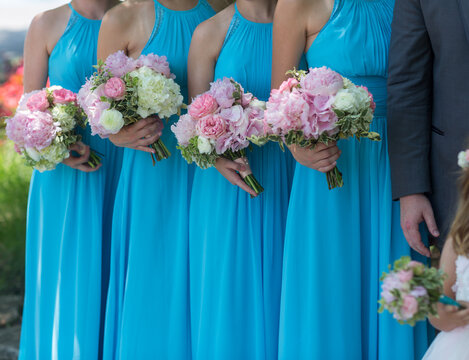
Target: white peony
{"x":59,"y":113}
{"x":111,"y":120}
{"x":345,"y":101}
{"x":156,"y":93}
{"x":204,"y":145}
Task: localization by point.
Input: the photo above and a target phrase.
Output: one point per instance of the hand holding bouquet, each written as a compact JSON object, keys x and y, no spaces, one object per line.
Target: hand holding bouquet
{"x":411,"y":291}
{"x":218,"y":124}
{"x":124,"y":91}
{"x":318,"y":107}
{"x":43,"y":127}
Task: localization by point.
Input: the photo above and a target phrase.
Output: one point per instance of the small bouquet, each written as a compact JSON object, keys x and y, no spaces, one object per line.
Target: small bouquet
{"x":124,"y":90}
{"x":218,"y":124}
{"x":43,"y":127}
{"x":411,"y":291}
{"x":316,"y":107}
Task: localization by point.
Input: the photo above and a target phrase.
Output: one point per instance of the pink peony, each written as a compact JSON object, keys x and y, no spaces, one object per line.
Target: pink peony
{"x":236,"y":119}
{"x":94,"y":116}
{"x":157,"y":63}
{"x":322,"y":117}
{"x":321,"y":81}
{"x":63,"y":96}
{"x":419,"y":291}
{"x":409,"y":307}
{"x":119,"y":64}
{"x":211,"y":126}
{"x":405,"y":275}
{"x":388,"y":296}
{"x":41,"y":130}
{"x":16,"y":128}
{"x":222,"y":91}
{"x":184,"y":129}
{"x":38,"y":101}
{"x":203,"y":105}
{"x":115,"y":88}
{"x":288,"y":85}
{"x":246,"y":98}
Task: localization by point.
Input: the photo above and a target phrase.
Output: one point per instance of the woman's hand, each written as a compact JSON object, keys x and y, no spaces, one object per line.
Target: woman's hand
{"x":230,"y":170}
{"x":451,"y":317}
{"x":80,"y":162}
{"x":140,"y":135}
{"x":322,"y":158}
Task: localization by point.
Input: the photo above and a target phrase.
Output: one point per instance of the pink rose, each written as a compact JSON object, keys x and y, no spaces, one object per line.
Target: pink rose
{"x":409,"y":307}
{"x":38,"y":101}
{"x":211,"y":126}
{"x":63,"y":96}
{"x":184,"y":129}
{"x":321,"y":81}
{"x":115,"y":88}
{"x":405,"y":275}
{"x":289,"y":84}
{"x":203,"y":105}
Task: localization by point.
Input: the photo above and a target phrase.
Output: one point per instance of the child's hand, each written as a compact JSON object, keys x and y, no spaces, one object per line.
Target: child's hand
{"x":455,"y":317}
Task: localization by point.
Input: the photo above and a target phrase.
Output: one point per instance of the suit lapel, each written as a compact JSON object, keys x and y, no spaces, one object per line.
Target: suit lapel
{"x":464,"y":13}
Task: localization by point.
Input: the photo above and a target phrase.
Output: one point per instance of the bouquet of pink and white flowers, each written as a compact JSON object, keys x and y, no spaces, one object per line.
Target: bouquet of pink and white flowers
{"x":319,"y":106}
{"x":411,"y":291}
{"x":124,"y":91}
{"x":218,"y":124}
{"x":43,"y":127}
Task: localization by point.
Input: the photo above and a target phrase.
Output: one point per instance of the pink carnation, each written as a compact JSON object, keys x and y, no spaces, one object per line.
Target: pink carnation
{"x":203,"y":105}
{"x":115,"y":88}
{"x":184,"y":129}
{"x":40,"y":131}
{"x":409,"y":307}
{"x":222,"y":91}
{"x":157,"y":63}
{"x":321,"y":81}
{"x":211,"y":126}
{"x":119,"y":64}
{"x":63,"y":96}
{"x":38,"y":101}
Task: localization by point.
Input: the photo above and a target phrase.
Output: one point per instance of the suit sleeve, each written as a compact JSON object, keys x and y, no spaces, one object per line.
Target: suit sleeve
{"x":409,"y":100}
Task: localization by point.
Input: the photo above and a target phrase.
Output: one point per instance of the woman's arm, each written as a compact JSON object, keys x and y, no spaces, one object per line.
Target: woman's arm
{"x":206,"y":44}
{"x":123,"y":28}
{"x":296,"y":24}
{"x":449,"y":316}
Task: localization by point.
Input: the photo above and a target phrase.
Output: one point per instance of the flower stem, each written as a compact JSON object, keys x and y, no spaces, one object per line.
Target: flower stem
{"x":252,"y":182}
{"x":334,"y":178}
{"x":161,"y":151}
{"x":94,"y":160}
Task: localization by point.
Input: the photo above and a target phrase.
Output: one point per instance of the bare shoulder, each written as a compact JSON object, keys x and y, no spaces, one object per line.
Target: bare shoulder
{"x":47,"y":27}
{"x":212,"y":32}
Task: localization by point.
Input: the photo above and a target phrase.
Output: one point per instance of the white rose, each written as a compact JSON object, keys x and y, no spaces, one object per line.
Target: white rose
{"x":204,"y":145}
{"x":362,"y":97}
{"x":258,"y":104}
{"x":33,"y":153}
{"x":345,"y":101}
{"x":111,"y":120}
{"x":66,"y":122}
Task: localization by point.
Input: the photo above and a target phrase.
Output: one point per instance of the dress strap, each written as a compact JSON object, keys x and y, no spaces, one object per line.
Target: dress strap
{"x":235,"y":20}
{"x":159,"y":14}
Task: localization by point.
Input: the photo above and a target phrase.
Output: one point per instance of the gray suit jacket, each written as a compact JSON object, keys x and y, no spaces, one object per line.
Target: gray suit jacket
{"x":428,"y":100}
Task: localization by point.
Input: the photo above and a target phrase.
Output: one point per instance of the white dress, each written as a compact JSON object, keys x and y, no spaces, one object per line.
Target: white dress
{"x":454,"y":344}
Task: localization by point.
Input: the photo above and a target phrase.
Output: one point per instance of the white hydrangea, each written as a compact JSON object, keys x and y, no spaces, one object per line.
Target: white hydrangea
{"x":55,"y":153}
{"x":156,"y":93}
{"x":60,"y":114}
{"x":111,"y":120}
{"x":204,"y":145}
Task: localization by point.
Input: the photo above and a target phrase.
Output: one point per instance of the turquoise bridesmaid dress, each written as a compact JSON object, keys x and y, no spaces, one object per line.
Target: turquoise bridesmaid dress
{"x":236,"y":243}
{"x":339,"y":242}
{"x":147,"y":314}
{"x":68,"y":228}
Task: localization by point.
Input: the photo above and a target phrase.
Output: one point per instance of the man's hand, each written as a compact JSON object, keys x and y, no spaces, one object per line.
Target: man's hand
{"x":415,"y":209}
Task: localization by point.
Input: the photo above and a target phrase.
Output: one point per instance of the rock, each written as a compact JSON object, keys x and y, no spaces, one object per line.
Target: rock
{"x":9,"y":310}
{"x":9,"y":342}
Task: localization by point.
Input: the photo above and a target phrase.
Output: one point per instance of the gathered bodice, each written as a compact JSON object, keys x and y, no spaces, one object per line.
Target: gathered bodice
{"x":246,"y":55}
{"x":355,"y":43}
{"x":74,"y":55}
{"x":171,"y":36}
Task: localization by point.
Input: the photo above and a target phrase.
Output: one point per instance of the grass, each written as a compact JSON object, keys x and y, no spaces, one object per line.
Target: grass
{"x":14,"y":183}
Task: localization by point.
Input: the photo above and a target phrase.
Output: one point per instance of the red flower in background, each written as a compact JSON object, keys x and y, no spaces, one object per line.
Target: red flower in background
{"x":10,"y":92}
